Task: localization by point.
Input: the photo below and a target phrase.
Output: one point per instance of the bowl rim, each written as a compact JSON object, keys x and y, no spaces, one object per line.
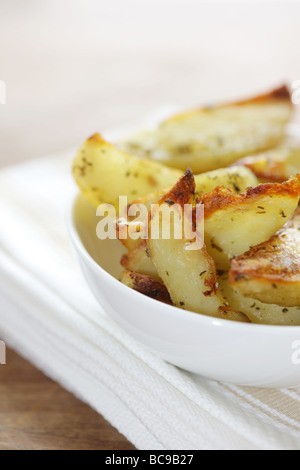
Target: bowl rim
{"x":170,"y":310}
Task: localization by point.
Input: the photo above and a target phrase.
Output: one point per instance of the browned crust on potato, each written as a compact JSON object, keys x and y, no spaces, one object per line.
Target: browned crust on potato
{"x":222,"y":197}
{"x":281,"y":93}
{"x":127,"y":256}
{"x":96,"y":138}
{"x":265,"y":169}
{"x":182,"y":191}
{"x":147,"y":286}
{"x":277,"y":95}
{"x":275,"y":261}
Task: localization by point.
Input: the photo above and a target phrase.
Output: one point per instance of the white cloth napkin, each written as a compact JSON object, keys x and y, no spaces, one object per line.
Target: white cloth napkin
{"x":49,"y":316}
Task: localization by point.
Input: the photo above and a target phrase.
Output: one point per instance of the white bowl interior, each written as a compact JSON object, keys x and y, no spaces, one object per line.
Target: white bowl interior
{"x":106,"y":253}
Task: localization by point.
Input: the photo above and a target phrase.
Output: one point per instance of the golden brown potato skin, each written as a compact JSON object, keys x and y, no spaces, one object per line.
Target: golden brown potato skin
{"x":146,"y":285}
{"x":270,"y":272}
{"x":275,"y":166}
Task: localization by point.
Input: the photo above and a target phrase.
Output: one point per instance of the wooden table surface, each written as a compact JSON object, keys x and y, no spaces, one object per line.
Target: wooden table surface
{"x":36,"y":414}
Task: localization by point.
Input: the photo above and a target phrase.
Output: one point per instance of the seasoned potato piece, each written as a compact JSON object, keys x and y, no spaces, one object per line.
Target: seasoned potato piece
{"x":139,"y":261}
{"x":99,"y":163}
{"x":235,"y":223}
{"x":276,"y":165}
{"x":215,"y":137}
{"x":259,"y":312}
{"x":146,"y":285}
{"x":189,"y":275}
{"x":270,"y":272}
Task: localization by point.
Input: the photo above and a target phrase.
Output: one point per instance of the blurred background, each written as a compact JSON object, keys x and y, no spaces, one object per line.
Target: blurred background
{"x":74,"y":67}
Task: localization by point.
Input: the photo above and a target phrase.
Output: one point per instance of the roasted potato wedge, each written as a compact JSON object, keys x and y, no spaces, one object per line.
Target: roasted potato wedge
{"x":235,"y":223}
{"x":275,"y":166}
{"x":189,"y":275}
{"x":270,"y":272}
{"x":146,"y":285}
{"x":215,"y":137}
{"x":238,"y":179}
{"x":139,"y":261}
{"x":259,"y":312}
{"x":98,"y":163}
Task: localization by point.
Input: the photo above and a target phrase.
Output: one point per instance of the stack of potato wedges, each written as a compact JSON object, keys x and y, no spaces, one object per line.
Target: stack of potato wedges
{"x":239,"y":162}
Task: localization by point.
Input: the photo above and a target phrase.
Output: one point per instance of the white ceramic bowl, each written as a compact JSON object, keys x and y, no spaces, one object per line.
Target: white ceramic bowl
{"x":258,"y":355}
